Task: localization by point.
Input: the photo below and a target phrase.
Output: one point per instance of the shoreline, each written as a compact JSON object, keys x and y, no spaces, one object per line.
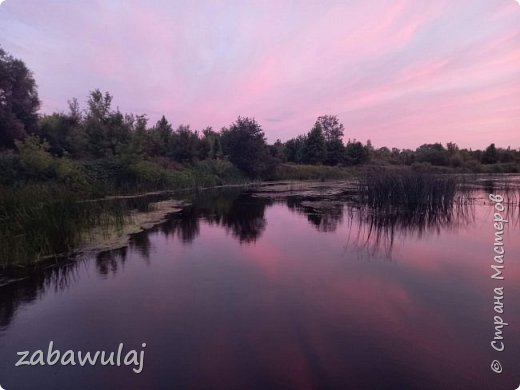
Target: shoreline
{"x":106,"y":238}
{"x":103,"y":239}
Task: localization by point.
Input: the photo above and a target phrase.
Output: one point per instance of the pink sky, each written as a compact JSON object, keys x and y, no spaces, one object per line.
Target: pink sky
{"x":400,"y":72}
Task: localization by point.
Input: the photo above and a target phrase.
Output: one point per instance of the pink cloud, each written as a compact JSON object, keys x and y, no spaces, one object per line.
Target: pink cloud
{"x":388,"y":69}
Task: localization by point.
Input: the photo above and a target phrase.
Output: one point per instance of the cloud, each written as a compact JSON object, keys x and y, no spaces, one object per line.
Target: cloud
{"x":398,"y":72}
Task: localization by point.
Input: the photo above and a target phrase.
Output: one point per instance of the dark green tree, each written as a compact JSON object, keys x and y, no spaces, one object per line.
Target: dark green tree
{"x":57,"y":129}
{"x":314,"y":149}
{"x":335,"y":152}
{"x":107,"y":132}
{"x":160,"y":137}
{"x":244,"y":144}
{"x":63,"y":132}
{"x":294,"y":149}
{"x":184,"y":145}
{"x":355,"y":153}
{"x":211,"y":139}
{"x":333,"y":132}
{"x":141,"y":143}
{"x":19,"y":101}
{"x":331,"y":126}
{"x":434,"y":154}
{"x":277,"y":151}
{"x":490,"y":155}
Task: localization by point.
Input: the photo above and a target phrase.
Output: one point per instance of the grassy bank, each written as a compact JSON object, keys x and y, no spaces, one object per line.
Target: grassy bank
{"x":312,"y":172}
{"x":59,"y":203}
{"x":43,"y":209}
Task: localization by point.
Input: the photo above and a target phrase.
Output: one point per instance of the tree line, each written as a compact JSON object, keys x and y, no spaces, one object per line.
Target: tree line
{"x":101,"y":132}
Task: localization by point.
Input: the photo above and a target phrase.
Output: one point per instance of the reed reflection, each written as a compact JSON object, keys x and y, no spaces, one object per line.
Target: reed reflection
{"x":376,"y":231}
{"x":28,"y":288}
{"x":373,"y":230}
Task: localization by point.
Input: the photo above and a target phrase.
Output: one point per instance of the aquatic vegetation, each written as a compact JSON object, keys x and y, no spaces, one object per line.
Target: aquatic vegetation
{"x":42,"y":222}
{"x":414,"y":192}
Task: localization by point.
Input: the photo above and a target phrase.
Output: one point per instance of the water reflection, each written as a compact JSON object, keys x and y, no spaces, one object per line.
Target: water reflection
{"x":377,"y":232}
{"x":109,"y":262}
{"x":238,"y":213}
{"x":325,"y":215}
{"x":26,"y":289}
{"x":243,"y":289}
{"x":242,"y":216}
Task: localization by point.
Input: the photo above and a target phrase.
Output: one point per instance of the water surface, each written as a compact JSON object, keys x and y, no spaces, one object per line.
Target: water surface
{"x":242,"y":291}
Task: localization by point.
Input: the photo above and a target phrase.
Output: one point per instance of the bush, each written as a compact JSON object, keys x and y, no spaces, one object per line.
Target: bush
{"x":35,"y":158}
{"x":310,"y":172}
{"x":11,"y":168}
{"x":218,"y":172}
{"x":71,"y":174}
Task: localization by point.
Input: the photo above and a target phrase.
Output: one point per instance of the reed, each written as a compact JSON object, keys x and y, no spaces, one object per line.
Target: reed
{"x":412,"y":192}
{"x":40,"y":222}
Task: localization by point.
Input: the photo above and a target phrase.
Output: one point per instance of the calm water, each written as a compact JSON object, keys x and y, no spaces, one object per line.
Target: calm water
{"x":242,"y":291}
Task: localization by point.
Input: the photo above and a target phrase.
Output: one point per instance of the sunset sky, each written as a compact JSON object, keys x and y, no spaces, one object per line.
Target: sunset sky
{"x":400,"y":73}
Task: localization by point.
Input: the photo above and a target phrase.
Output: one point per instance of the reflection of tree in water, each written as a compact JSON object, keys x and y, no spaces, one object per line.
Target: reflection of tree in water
{"x":240,"y":214}
{"x":374,"y":231}
{"x":30,"y":287}
{"x":109,"y":262}
{"x":326,"y":215}
{"x":245,"y":219}
{"x":184,"y":225}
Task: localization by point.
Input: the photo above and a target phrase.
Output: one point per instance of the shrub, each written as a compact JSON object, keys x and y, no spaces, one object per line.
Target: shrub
{"x":35,"y":158}
{"x":11,"y":168}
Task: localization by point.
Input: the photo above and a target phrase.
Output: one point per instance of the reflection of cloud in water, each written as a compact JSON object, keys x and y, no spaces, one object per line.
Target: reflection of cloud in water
{"x":243,"y":217}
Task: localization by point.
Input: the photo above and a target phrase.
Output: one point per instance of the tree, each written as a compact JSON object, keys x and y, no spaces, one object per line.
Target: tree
{"x":107,"y":132}
{"x":490,"y":155}
{"x":277,"y":151}
{"x":211,"y":140}
{"x":331,"y":126}
{"x":294,"y":149}
{"x":434,"y":154}
{"x":314,"y":150}
{"x":333,"y":132}
{"x":64,"y":132}
{"x":160,"y":135}
{"x":96,"y":119}
{"x":184,"y":144}
{"x":58,"y":130}
{"x":140,"y":144}
{"x":356,"y":153}
{"x":335,"y":152}
{"x":19,"y":101}
{"x":244,"y":144}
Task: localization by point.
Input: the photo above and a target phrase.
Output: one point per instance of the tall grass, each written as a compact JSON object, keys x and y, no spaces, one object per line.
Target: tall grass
{"x":38,"y":222}
{"x":413,"y":192}
{"x":406,"y":203}
{"x":289,"y":171}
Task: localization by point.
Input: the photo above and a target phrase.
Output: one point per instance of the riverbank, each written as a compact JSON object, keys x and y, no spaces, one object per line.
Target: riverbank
{"x":45,"y":222}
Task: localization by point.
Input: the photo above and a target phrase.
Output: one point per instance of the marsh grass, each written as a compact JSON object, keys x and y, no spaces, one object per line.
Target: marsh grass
{"x":407,"y":202}
{"x":41,"y":222}
{"x":289,"y":171}
{"x":411,"y":192}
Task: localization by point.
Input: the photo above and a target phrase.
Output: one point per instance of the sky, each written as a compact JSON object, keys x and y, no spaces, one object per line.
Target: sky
{"x":400,"y":73}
